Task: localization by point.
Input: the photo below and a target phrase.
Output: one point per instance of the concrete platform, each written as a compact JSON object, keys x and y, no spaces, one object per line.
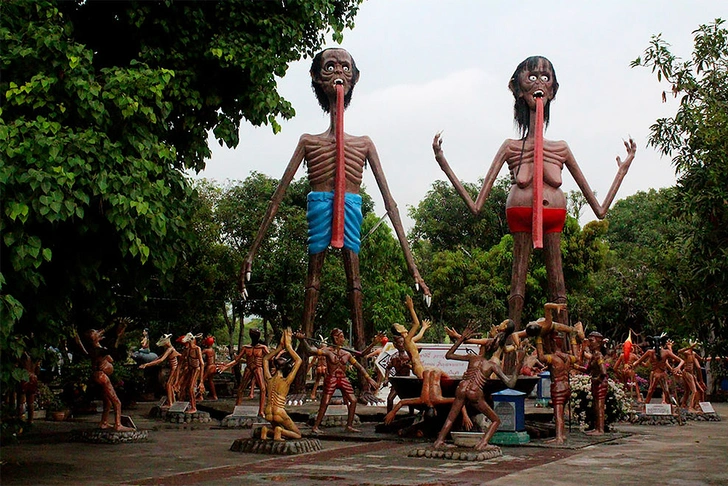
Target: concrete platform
{"x":692,"y":454}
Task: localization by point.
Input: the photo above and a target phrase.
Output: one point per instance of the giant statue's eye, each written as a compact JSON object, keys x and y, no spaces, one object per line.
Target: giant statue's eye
{"x":544,"y":78}
{"x":346,"y":69}
{"x":532,"y":77}
{"x":330,"y":68}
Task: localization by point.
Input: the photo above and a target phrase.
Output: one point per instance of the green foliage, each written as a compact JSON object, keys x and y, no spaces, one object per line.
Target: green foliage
{"x":617,"y":405}
{"x":443,"y":219}
{"x":97,"y":213}
{"x":697,"y":139}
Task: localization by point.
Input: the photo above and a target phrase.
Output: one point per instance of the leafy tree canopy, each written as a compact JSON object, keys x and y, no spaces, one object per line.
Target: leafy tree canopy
{"x":697,"y":139}
{"x":104,"y":104}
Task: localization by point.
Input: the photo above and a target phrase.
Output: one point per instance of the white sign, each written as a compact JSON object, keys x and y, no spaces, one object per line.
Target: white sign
{"x":245,"y":411}
{"x":337,"y":410}
{"x":706,"y":407}
{"x":433,"y":356}
{"x":507,"y":414}
{"x":179,"y":406}
{"x":658,"y":409}
{"x":382,"y":361}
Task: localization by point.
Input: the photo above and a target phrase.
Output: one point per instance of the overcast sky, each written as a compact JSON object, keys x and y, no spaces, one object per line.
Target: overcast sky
{"x":431,"y":65}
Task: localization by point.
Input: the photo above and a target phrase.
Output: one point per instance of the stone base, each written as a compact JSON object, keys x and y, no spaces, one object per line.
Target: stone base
{"x":109,"y":436}
{"x":279,"y":448}
{"x":242,"y":421}
{"x":457,"y":454}
{"x":510,"y":438}
{"x":644,"y":419}
{"x":701,"y":416}
{"x":334,"y":420}
{"x":186,"y":418}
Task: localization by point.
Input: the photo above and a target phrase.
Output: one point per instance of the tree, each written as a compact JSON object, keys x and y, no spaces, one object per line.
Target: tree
{"x":445,"y":221}
{"x":697,"y":139}
{"x":97,"y":133}
{"x":276,"y":289}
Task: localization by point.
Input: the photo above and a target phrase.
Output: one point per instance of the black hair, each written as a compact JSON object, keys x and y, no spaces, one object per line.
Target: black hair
{"x":521,"y":112}
{"x":323,"y":100}
{"x":503,"y":335}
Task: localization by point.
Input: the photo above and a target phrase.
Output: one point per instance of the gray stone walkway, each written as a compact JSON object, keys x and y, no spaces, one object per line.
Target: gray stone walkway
{"x":694,"y":454}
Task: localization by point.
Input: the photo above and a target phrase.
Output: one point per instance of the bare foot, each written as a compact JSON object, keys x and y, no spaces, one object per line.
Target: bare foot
{"x":121,"y":428}
{"x":349,"y":428}
{"x":480,"y":446}
{"x":555,"y":440}
{"x":104,"y":425}
{"x":191,"y":410}
{"x":595,"y":432}
{"x":316,"y":431}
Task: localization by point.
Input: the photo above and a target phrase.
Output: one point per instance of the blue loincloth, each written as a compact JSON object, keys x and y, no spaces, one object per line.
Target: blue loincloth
{"x":320,"y":215}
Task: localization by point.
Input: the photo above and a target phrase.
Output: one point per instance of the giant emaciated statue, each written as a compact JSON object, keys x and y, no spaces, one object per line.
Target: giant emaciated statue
{"x":536,"y":205}
{"x":335,"y":164}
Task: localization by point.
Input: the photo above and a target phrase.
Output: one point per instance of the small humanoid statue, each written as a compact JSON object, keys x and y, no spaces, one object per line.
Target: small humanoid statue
{"x":470,"y":390}
{"x":659,"y":357}
{"x":624,"y":367}
{"x":691,"y":376}
{"x":171,"y":356}
{"x":597,"y":369}
{"x":534,"y":80}
{"x":337,"y":359}
{"x":277,"y":385}
{"x":192,"y":377}
{"x":208,"y":354}
{"x":318,"y":363}
{"x":431,"y":393}
{"x":550,"y":350}
{"x":27,"y":389}
{"x":101,"y":369}
{"x":399,"y":365}
{"x":412,"y":336}
{"x":144,"y":354}
{"x":253,"y":354}
{"x":329,"y":69}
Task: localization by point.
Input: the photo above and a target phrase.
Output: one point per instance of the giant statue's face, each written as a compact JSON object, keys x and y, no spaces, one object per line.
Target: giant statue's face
{"x":537,"y":82}
{"x":336,"y":68}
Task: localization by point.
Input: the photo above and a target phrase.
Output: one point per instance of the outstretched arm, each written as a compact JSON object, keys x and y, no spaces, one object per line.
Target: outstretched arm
{"x":306,"y":345}
{"x":158,"y":360}
{"x":394,"y":217}
{"x":363,"y":371}
{"x":600,"y":210}
{"x":415,"y":320}
{"x":454,"y":335}
{"x":269,"y":356}
{"x":293,"y":165}
{"x":287,"y":334}
{"x":467,"y":333}
{"x":426,"y":324}
{"x":498,"y":161}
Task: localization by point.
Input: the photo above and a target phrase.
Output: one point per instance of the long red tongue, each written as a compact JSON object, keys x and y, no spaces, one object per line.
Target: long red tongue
{"x":537,"y":225}
{"x":337,"y":226}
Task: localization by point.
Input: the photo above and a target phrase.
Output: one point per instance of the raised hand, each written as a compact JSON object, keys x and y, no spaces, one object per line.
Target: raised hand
{"x":426,"y":324}
{"x":245,"y":272}
{"x":631,"y":147}
{"x":452,"y":333}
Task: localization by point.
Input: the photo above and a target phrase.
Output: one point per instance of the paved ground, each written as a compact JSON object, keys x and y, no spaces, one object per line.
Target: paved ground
{"x":694,"y":454}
